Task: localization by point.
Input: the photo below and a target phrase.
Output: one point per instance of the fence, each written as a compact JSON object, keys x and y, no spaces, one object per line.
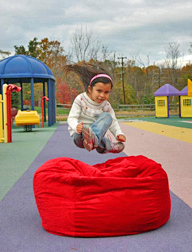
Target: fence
{"x":127,"y":107}
{"x":63,"y":106}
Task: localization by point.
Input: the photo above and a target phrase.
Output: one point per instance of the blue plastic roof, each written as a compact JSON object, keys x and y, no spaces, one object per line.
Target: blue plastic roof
{"x":184,"y":91}
{"x":24,"y":67}
{"x":167,"y":90}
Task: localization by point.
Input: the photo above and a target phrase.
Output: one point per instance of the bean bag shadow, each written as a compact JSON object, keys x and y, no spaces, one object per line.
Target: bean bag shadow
{"x":125,"y":195}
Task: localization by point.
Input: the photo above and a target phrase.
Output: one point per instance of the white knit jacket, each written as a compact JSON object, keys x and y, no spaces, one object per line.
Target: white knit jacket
{"x":87,"y":111}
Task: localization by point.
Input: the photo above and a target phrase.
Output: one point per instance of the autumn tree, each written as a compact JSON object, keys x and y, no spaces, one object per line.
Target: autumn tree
{"x":151,"y":79}
{"x":31,"y":51}
{"x":186,"y":73}
{"x":140,"y":81}
{"x":65,"y":94}
{"x":135,"y":77}
{"x":49,"y":52}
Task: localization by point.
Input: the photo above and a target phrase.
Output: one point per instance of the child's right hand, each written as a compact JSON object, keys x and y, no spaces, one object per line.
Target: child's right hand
{"x":79,"y":127}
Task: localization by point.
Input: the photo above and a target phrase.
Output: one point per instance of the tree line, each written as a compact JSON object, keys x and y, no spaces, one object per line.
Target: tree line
{"x":134,"y":83}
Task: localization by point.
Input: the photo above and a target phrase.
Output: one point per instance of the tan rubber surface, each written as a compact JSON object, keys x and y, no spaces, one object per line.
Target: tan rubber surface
{"x":168,"y":145}
{"x":179,"y":133}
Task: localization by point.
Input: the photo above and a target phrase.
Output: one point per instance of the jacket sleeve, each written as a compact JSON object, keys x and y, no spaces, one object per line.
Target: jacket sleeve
{"x":73,"y":117}
{"x":115,"y":128}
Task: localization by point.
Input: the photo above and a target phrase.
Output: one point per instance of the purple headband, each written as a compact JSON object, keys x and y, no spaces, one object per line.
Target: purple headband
{"x":100,"y":76}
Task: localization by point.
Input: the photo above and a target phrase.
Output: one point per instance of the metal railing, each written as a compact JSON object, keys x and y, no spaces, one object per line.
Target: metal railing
{"x":136,"y":107}
{"x":126,"y":107}
{"x":63,"y":106}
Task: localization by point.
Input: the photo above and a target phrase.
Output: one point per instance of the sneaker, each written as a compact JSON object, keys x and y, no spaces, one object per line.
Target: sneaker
{"x":101,"y":150}
{"x":116,"y":147}
{"x":89,"y":138}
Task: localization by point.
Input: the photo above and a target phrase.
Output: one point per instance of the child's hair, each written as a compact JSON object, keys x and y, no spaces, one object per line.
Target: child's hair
{"x":90,"y":74}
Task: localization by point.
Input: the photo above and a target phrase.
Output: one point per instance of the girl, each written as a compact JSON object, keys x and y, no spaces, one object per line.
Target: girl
{"x":91,"y":115}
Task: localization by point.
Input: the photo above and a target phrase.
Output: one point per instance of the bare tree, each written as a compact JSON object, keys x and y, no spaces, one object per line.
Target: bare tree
{"x":106,"y":53}
{"x":172,"y":64}
{"x":86,"y":46}
{"x":81,"y":42}
{"x":190,"y":50}
{"x":94,"y":50}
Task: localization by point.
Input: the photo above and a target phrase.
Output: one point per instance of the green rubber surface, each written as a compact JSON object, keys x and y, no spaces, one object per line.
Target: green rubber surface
{"x":172,"y":121}
{"x":17,"y":156}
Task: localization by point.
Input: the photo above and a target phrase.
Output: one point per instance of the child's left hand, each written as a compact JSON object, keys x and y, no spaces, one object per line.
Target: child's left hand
{"x":121,"y":138}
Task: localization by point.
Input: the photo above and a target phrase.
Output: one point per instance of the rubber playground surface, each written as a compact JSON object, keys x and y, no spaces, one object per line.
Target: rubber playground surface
{"x":167,"y":141}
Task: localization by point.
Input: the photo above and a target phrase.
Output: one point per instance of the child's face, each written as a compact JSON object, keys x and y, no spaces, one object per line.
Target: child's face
{"x":99,"y":92}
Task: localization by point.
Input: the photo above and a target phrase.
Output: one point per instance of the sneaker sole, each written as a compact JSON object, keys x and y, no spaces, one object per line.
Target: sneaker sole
{"x":88,"y":139}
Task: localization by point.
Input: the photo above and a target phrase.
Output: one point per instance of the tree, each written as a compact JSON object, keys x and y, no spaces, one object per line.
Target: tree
{"x":135,"y":77}
{"x":172,"y":55}
{"x":190,"y":49}
{"x":186,"y":73}
{"x":32,"y":49}
{"x":4,"y":54}
{"x":152,"y":79}
{"x":86,"y":46}
{"x":81,"y":42}
{"x":65,"y":94}
{"x":52,"y":54}
{"x":49,"y":52}
{"x":20,"y":50}
{"x":15,"y":99}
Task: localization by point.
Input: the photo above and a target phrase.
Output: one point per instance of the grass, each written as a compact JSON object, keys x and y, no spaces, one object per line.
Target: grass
{"x":61,"y":113}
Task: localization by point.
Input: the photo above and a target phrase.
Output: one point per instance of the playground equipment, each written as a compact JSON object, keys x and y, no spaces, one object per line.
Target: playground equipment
{"x":27,"y":119}
{"x":1,"y":117}
{"x":24,"y":69}
{"x":161,"y":105}
{"x":43,"y":99}
{"x":189,"y":83}
{"x":186,"y":101}
{"x":5,"y":113}
{"x":162,"y":99}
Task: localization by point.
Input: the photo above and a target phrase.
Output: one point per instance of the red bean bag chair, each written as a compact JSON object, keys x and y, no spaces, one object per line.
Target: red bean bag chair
{"x":125,"y":195}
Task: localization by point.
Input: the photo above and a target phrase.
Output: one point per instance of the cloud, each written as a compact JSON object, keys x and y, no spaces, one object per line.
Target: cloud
{"x":127,"y":27}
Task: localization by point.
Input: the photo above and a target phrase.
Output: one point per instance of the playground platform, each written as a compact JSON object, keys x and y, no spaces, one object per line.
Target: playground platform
{"x":167,"y":141}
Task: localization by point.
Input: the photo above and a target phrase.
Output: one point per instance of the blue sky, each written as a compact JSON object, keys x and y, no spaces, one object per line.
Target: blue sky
{"x":135,"y":29}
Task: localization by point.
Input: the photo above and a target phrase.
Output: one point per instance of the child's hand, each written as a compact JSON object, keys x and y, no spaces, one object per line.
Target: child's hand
{"x":79,"y":127}
{"x":121,"y":138}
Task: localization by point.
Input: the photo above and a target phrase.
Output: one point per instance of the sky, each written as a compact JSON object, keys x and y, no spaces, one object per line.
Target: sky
{"x":136,"y":29}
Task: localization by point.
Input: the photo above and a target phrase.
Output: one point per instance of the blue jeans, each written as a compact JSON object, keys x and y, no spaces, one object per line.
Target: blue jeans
{"x":99,"y":128}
